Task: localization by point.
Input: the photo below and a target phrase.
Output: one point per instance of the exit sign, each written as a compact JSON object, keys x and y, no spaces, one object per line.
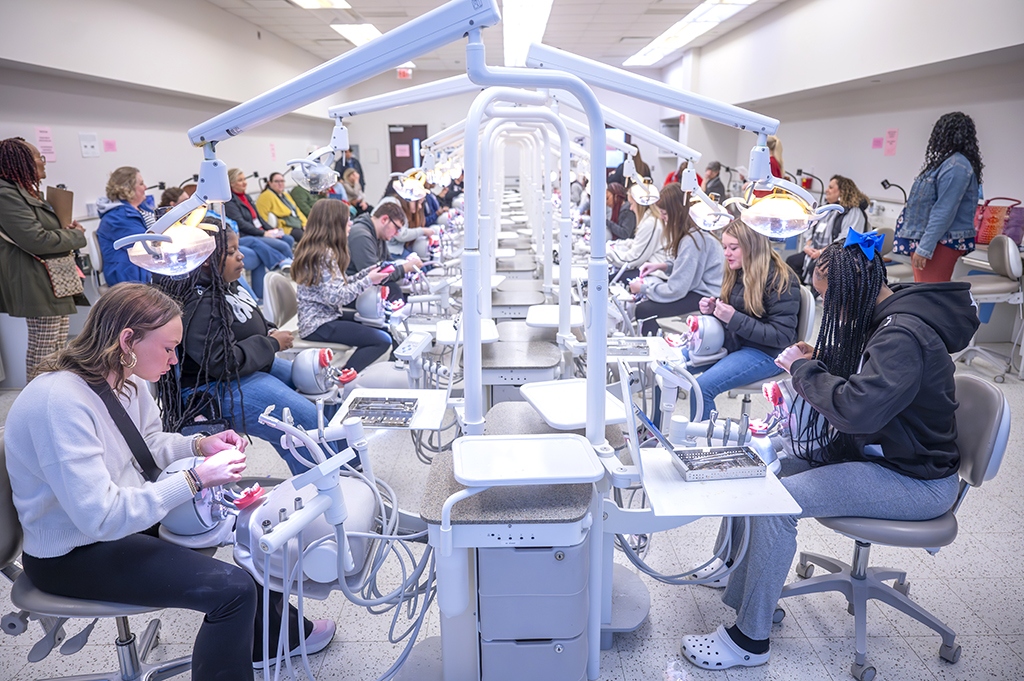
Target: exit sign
{"x":404,"y":74}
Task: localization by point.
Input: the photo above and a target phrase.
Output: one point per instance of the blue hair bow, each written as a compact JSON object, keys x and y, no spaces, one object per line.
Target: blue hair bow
{"x":869,"y":242}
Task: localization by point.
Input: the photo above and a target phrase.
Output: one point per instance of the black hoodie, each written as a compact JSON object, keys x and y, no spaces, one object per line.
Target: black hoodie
{"x":902,"y":398}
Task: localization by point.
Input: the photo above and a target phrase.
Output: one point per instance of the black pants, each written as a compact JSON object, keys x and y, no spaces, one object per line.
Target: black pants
{"x":142,"y":569}
{"x":796,"y":263}
{"x":648,"y":308}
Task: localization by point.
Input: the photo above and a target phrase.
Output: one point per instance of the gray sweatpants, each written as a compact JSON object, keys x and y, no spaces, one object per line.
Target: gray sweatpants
{"x":860,"y":489}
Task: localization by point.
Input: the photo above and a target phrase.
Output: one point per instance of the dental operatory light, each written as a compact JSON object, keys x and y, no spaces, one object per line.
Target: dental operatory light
{"x":642,"y":189}
{"x":189,"y":243}
{"x":178,"y":243}
{"x":778,"y":215}
{"x":315,"y":173}
{"x":410,"y":185}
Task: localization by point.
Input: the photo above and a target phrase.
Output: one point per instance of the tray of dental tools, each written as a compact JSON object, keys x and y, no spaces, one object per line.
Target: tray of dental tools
{"x":383,"y":411}
{"x":697,"y":464}
{"x":627,"y":347}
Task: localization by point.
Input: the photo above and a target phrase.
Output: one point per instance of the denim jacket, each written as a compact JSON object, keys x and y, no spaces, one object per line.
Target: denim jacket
{"x":941,"y":205}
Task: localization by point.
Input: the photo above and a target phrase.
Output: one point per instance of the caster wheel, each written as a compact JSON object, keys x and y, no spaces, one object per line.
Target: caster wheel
{"x":849,"y":609}
{"x":903,"y":588}
{"x":949,"y":653}
{"x":999,"y":379}
{"x":779,"y":615}
{"x":862,"y":672}
{"x":804,"y":570}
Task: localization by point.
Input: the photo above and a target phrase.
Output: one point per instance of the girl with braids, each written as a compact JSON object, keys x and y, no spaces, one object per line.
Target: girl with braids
{"x":230,"y":353}
{"x":30,"y":231}
{"x":881,"y":379}
{"x":759,"y":306}
{"x":321,"y":259}
{"x":834,"y":226}
{"x":694,"y":273}
{"x":938,"y":221}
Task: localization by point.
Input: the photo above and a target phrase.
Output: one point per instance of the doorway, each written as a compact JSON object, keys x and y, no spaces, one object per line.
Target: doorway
{"x":404,"y":142}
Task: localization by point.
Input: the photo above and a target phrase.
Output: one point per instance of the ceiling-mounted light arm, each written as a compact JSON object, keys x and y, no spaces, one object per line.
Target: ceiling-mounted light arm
{"x":438,"y":89}
{"x":610,"y":78}
{"x":439,"y":139}
{"x":433,"y":30}
{"x":641,"y":189}
{"x":705,"y":212}
{"x":636,"y":129}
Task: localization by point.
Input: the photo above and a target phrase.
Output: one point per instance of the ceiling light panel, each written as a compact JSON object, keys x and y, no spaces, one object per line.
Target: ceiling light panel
{"x":357,"y":34}
{"x":323,"y":4}
{"x":702,"y":19}
{"x":523,"y":22}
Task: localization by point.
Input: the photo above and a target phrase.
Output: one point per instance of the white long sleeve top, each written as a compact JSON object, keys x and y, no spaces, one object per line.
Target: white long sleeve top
{"x":74,"y":479}
{"x":645,"y":246}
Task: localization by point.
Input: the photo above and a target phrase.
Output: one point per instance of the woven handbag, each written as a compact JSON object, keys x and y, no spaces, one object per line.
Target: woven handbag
{"x":65,"y":279}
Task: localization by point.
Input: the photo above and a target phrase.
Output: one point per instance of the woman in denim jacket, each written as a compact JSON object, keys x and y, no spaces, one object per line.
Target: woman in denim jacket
{"x":938,"y":221}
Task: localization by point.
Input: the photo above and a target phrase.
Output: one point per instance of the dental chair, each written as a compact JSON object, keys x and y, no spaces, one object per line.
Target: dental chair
{"x":56,"y":610}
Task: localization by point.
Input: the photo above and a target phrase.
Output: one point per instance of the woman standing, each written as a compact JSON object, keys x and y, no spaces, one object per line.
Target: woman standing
{"x":30,"y":230}
{"x":275,"y":202}
{"x":834,"y":226}
{"x":938,"y":221}
{"x":694,"y":273}
{"x":120,"y":216}
{"x":89,"y":515}
{"x":758,"y":307}
{"x":320,"y":262}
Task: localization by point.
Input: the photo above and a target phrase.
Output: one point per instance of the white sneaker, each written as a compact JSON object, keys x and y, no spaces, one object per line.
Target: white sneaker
{"x":715,"y":567}
{"x":322,"y":634}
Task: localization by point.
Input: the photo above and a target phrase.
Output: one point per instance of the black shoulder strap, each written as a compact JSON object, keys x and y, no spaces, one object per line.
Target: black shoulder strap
{"x":129,"y":431}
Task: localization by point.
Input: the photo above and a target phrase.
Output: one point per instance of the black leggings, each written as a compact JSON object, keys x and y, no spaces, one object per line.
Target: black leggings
{"x":142,"y":569}
{"x":648,"y":308}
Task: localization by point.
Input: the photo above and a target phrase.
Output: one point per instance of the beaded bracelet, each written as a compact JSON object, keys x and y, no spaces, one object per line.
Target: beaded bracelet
{"x":191,"y":483}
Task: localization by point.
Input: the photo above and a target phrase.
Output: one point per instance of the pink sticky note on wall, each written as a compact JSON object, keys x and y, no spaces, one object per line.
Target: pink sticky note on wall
{"x":876,"y":142}
{"x":109,"y":145}
{"x":889,"y":146}
{"x":402,"y":151}
{"x":273,"y":152}
{"x":44,"y":143}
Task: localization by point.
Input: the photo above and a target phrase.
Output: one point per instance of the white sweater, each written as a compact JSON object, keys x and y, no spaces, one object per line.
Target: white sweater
{"x":645,"y":246}
{"x":74,"y":479}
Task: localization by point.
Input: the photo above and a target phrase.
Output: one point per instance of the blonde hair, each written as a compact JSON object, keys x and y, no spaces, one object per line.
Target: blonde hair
{"x":121,"y":185}
{"x":234,"y":174}
{"x":758,"y":257}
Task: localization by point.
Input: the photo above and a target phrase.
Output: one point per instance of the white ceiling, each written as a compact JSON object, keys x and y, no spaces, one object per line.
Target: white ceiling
{"x":605,"y":30}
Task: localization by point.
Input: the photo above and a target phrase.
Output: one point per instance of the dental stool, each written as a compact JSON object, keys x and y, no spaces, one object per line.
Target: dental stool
{"x":132,"y":651}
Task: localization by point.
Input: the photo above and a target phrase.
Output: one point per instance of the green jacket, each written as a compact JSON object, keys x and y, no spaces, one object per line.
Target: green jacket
{"x":24,"y":285}
{"x":303,"y":199}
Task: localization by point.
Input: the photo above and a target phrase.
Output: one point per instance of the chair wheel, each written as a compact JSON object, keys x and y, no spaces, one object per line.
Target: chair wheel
{"x":778,"y":615}
{"x":804,"y":570}
{"x":862,"y":672}
{"x":903,"y":588}
{"x":949,"y":653}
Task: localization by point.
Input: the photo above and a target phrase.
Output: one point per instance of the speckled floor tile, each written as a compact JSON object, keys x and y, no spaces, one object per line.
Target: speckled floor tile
{"x":997,"y":602}
{"x":892,"y":658}
{"x":791,"y":658}
{"x":982,"y":657}
{"x":936,"y":598}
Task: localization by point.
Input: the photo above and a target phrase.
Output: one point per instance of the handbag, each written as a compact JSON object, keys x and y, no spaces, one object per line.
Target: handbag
{"x":63,"y":272}
{"x":991,"y":221}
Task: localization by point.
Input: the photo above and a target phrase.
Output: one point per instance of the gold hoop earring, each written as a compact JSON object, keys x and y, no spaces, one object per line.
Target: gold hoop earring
{"x":130,"y":364}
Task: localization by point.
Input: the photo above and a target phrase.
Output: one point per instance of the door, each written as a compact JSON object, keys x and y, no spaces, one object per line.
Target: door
{"x":405,"y":146}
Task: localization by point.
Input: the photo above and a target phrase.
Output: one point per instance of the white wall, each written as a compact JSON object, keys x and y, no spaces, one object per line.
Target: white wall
{"x":805,"y":44}
{"x":832,"y":134}
{"x":189,"y":46}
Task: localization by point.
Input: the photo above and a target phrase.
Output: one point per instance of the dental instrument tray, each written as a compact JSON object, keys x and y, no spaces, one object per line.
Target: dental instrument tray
{"x":627,"y":347}
{"x":383,"y":411}
{"x":717,"y":463}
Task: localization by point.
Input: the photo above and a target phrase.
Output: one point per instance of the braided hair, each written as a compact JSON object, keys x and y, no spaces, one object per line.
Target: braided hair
{"x":18,"y":166}
{"x":207,"y":280}
{"x":953,"y":132}
{"x":848,"y":307}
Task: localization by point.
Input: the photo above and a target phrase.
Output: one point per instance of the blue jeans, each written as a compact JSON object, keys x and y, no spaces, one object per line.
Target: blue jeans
{"x":370,"y":343}
{"x":736,"y":369}
{"x":261,"y":389}
{"x":262,"y":253}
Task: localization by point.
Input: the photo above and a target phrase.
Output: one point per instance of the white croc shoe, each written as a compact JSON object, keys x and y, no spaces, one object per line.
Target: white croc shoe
{"x":718,"y":651}
{"x":716,"y":566}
